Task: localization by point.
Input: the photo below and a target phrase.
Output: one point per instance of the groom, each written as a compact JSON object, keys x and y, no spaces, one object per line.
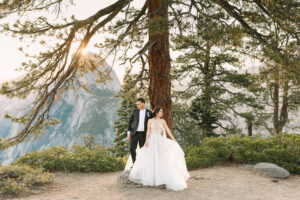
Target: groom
{"x":137,"y":126}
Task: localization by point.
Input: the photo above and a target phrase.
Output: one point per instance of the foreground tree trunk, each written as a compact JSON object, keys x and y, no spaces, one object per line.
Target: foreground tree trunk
{"x":159,"y":59}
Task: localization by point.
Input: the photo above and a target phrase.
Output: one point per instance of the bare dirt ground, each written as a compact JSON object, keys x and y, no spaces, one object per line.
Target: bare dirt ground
{"x":233,"y":182}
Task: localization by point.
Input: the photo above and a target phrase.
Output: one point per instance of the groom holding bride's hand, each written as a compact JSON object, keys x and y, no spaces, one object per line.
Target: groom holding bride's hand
{"x":137,"y":126}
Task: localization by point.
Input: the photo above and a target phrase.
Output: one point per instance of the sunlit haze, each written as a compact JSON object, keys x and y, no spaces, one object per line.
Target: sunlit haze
{"x":11,"y":58}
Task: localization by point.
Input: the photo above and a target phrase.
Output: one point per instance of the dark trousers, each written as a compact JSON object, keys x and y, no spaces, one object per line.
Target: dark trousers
{"x":137,"y":137}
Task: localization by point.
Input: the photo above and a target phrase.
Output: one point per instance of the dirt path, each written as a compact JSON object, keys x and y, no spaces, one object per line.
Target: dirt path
{"x":232,"y":182}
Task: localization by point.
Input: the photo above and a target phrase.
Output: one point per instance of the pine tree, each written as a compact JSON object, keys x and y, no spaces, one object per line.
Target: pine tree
{"x":186,"y":130}
{"x":54,"y":71}
{"x":217,"y":92}
{"x":279,"y":91}
{"x":203,"y":112}
{"x":128,"y":94}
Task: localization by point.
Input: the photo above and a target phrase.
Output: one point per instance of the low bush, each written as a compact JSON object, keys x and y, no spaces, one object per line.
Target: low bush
{"x":14,"y":179}
{"x":78,"y":158}
{"x":283,"y":150}
{"x":98,"y":159}
{"x":29,"y":170}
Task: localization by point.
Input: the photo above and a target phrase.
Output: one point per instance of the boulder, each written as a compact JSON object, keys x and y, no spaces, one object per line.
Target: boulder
{"x":272,"y":170}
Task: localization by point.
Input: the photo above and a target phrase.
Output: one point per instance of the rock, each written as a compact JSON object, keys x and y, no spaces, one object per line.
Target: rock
{"x":271,"y":170}
{"x":79,"y":111}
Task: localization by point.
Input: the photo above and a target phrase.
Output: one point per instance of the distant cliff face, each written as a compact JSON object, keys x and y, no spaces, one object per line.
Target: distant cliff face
{"x":80,"y":113}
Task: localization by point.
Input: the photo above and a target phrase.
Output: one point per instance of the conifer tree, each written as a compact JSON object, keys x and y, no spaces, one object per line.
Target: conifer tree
{"x":217,"y":92}
{"x":54,"y":71}
{"x":279,"y":88}
{"x":128,"y":95}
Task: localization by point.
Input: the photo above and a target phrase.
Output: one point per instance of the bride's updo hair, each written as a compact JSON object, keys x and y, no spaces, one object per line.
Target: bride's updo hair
{"x":156,"y":110}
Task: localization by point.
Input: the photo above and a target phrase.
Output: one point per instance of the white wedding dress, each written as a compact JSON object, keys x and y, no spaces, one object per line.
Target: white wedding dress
{"x":161,"y":163}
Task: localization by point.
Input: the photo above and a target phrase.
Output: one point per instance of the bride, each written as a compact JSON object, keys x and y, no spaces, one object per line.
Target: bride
{"x":161,"y":160}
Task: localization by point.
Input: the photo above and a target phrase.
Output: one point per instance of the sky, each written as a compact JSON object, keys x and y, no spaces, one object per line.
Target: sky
{"x":11,"y":57}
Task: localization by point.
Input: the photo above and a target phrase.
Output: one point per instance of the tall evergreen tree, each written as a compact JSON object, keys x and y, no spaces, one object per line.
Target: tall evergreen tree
{"x":280,"y":90}
{"x":58,"y":71}
{"x":186,"y":129}
{"x":128,"y":94}
{"x":202,"y":110}
{"x":217,"y":89}
{"x":54,"y":71}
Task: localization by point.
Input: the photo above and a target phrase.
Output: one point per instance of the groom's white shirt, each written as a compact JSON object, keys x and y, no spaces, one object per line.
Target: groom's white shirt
{"x":141,"y":121}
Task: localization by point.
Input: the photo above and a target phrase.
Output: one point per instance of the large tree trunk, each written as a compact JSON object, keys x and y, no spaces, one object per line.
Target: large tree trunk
{"x":159,"y":59}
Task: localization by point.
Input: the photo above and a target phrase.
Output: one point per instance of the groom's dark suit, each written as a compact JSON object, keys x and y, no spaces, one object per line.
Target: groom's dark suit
{"x":137,"y":136}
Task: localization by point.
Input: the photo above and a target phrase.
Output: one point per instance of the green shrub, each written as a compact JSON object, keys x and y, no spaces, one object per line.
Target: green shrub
{"x":199,"y":157}
{"x":218,"y":147}
{"x":213,"y":150}
{"x":78,"y":158}
{"x":194,"y":162}
{"x":12,"y":187}
{"x":47,"y":158}
{"x":283,"y":150}
{"x":14,"y":179}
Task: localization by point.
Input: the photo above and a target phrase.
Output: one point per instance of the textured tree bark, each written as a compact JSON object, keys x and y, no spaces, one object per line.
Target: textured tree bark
{"x":159,"y":59}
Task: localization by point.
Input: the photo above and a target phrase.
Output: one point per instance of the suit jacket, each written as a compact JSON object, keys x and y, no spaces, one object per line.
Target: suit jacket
{"x":134,"y":120}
